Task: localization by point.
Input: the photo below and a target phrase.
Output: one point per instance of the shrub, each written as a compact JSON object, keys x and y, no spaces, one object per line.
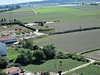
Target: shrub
{"x":60,"y":55}
{"x":3,"y":62}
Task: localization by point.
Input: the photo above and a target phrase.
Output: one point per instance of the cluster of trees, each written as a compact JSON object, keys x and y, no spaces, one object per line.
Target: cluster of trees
{"x":39,"y":55}
{"x":8,"y":8}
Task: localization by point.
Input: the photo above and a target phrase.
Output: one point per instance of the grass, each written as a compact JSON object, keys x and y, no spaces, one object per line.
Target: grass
{"x":55,"y":9}
{"x":53,"y":65}
{"x":11,"y":53}
{"x":89,"y":70}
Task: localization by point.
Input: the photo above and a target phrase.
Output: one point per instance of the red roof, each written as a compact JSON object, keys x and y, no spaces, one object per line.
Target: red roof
{"x":6,"y":38}
{"x":12,"y":70}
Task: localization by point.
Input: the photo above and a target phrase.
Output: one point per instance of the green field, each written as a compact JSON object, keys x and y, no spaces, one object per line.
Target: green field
{"x":53,"y":65}
{"x":89,"y":70}
{"x":55,"y":9}
{"x":53,"y":13}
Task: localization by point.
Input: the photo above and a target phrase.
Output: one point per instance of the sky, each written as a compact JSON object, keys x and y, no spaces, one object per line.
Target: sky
{"x":4,"y":2}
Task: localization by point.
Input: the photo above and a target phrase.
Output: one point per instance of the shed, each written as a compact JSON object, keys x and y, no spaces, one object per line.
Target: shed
{"x":8,"y":39}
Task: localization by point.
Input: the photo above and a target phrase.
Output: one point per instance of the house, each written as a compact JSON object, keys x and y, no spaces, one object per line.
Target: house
{"x":8,"y":39}
{"x":13,"y":71}
{"x":2,"y":48}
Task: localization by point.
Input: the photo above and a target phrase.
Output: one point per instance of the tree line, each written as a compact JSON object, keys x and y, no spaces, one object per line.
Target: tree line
{"x":9,"y":8}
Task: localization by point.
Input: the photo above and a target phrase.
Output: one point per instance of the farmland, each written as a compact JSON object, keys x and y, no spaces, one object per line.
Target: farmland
{"x":94,"y":55}
{"x":52,"y":14}
{"x":89,"y":70}
{"x":74,"y":42}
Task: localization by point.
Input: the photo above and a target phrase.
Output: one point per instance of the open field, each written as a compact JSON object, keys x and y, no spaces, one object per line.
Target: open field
{"x":74,"y":42}
{"x":89,"y":70}
{"x":53,"y":14}
{"x":53,"y":65}
{"x":94,"y":55}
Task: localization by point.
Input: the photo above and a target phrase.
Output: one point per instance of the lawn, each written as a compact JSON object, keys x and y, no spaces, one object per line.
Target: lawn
{"x":11,"y":53}
{"x":89,"y":70}
{"x":53,"y":65}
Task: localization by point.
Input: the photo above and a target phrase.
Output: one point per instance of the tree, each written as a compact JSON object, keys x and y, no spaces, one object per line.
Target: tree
{"x":39,"y":55}
{"x":3,"y":62}
{"x":49,"y":50}
{"x":24,"y":57}
{"x":27,"y":43}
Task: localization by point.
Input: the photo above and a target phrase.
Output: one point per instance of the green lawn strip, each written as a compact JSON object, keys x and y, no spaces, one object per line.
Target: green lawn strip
{"x":88,"y":70}
{"x":87,"y":51}
{"x":53,"y":65}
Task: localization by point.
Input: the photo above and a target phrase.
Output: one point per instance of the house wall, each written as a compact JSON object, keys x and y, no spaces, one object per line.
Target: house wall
{"x":3,"y":48}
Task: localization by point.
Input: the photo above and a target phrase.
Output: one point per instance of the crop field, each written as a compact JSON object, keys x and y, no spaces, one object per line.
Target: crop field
{"x":94,"y":55}
{"x":53,"y":65}
{"x":75,"y":24}
{"x":89,"y":70}
{"x":52,"y":14}
{"x":74,"y":42}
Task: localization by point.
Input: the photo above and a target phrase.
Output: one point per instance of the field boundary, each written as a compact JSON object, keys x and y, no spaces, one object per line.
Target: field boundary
{"x":74,"y":30}
{"x":87,"y":51}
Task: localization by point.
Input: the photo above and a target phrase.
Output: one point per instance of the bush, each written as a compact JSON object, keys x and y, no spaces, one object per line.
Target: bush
{"x":3,"y":62}
{"x":60,"y":55}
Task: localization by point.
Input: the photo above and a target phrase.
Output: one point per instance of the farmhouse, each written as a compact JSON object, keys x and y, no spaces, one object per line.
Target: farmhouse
{"x":12,"y":71}
{"x":7,"y":39}
{"x":3,"y":48}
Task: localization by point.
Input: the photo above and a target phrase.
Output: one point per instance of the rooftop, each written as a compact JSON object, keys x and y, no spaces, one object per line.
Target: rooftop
{"x":6,"y":38}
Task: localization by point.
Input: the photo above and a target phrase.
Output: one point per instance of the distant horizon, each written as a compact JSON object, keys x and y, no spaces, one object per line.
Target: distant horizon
{"x":7,"y":2}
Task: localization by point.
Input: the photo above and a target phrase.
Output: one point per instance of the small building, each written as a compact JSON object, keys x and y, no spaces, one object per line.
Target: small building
{"x":8,"y":39}
{"x":13,"y":71}
{"x":3,"y":48}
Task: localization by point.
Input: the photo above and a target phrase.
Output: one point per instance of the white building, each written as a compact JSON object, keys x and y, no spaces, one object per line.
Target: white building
{"x":3,"y":48}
